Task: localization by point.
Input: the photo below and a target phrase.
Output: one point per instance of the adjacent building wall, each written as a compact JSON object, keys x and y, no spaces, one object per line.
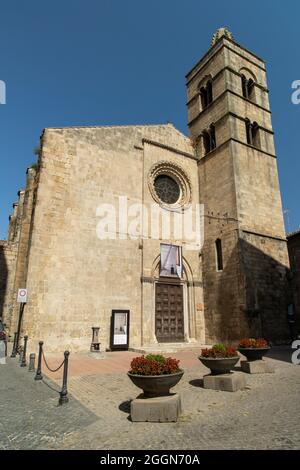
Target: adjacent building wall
{"x":294,"y":254}
{"x":8,"y":256}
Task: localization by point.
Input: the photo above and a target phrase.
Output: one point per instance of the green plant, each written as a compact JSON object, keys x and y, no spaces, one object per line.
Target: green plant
{"x":220,"y":348}
{"x":156,"y":357}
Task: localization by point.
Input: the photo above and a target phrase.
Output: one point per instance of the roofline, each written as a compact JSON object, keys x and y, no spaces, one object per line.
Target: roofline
{"x":215,"y":45}
{"x":112,"y":126}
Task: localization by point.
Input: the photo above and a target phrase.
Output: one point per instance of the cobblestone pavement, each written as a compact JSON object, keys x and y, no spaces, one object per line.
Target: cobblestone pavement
{"x":266,"y":415}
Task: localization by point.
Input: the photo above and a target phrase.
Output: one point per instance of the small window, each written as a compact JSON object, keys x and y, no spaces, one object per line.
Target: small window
{"x":248,"y":132}
{"x":219,"y":255}
{"x":203,"y":96}
{"x":212,"y":137}
{"x":255,"y":135}
{"x":252,"y":133}
{"x":209,"y":91}
{"x":206,"y":95}
{"x":244,"y":86}
{"x":206,"y":142}
{"x":248,"y":88}
{"x":209,"y":139}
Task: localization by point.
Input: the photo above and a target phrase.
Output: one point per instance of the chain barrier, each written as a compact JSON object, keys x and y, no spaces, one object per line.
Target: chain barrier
{"x":63,"y":394}
{"x":48,"y":367}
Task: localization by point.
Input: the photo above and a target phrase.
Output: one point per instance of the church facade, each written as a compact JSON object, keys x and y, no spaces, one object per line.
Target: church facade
{"x":185,"y":234}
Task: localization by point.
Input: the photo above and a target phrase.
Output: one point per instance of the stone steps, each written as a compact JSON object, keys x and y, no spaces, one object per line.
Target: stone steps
{"x":168,"y":348}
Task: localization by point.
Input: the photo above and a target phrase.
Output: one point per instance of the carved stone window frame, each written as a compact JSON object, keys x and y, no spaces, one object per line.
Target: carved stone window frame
{"x":177,"y":173}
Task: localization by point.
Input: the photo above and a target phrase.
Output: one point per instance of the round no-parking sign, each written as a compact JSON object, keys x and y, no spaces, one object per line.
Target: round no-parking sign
{"x":22,"y":296}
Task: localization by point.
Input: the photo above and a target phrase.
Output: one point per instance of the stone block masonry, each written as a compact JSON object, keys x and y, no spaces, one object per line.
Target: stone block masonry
{"x":225,"y":382}
{"x":158,"y":410}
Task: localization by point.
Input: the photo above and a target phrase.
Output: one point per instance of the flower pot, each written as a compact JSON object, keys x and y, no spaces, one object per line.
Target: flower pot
{"x":254,"y":354}
{"x":219,"y":365}
{"x":156,"y":385}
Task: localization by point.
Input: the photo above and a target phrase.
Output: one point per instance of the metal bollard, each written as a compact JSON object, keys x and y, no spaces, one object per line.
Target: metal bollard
{"x":20,"y":352}
{"x":38,"y":375}
{"x":23,"y":362}
{"x":64,"y":391}
{"x":14,"y":349}
{"x":31,"y":367}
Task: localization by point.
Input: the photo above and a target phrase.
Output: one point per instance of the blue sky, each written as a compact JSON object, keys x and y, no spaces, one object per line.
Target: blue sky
{"x":104,"y":62}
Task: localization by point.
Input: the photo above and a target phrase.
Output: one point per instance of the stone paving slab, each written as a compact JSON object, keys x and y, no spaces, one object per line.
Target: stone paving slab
{"x":30,"y":417}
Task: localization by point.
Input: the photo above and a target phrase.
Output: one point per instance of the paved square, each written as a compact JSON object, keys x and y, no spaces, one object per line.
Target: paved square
{"x":265,"y":415}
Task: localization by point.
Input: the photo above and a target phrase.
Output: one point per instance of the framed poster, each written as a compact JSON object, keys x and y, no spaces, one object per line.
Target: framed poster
{"x":119,"y":336}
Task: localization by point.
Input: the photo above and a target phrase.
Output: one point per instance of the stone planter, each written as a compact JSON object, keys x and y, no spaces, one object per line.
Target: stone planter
{"x":156,"y":385}
{"x":254,"y":354}
{"x":219,"y":365}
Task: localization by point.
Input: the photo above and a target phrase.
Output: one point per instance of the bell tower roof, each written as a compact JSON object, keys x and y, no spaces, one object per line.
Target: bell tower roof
{"x":220,"y":33}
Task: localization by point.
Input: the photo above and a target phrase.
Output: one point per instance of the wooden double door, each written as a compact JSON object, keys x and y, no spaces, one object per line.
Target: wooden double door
{"x":169,"y":323}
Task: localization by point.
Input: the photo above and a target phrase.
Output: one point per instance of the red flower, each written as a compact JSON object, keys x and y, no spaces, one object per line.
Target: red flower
{"x":253,"y":343}
{"x":154,"y":365}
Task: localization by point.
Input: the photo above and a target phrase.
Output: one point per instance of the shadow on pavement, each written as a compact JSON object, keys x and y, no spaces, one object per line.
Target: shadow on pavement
{"x":197,"y":383}
{"x":281,"y":353}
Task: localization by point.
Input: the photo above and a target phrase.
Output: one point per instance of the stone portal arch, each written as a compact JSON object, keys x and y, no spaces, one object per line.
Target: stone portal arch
{"x":185,"y":284}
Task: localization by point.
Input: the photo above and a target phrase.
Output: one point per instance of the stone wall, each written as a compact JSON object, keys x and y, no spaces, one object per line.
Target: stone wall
{"x":8,"y":256}
{"x":240,"y":191}
{"x":20,"y":235}
{"x":265,"y":267}
{"x":74,"y":278}
{"x":294,"y":255}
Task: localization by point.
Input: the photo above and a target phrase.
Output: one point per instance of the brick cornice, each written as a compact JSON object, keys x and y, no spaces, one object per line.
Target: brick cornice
{"x":171,"y":149}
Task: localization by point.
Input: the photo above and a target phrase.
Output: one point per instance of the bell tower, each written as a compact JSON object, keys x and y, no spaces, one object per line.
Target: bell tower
{"x":244,"y":256}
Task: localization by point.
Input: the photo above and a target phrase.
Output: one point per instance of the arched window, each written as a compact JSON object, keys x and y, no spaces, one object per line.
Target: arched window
{"x":206,"y":95}
{"x":248,"y":132}
{"x":213,"y":143}
{"x":209,"y":92}
{"x":248,"y":88}
{"x":203,"y":96}
{"x":252,"y":133}
{"x":209,"y":139}
{"x":255,"y":135}
{"x":244,"y":86}
{"x":219,"y":255}
{"x":206,"y":142}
